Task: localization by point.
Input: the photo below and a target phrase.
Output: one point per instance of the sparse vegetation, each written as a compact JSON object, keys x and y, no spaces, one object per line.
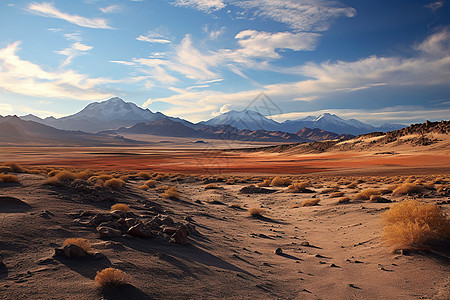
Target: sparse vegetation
{"x":407,"y":188}
{"x":143,"y":187}
{"x":365,"y":194}
{"x":144,"y":175}
{"x":336,"y":194}
{"x":115,"y":183}
{"x":343,"y":200}
{"x":410,"y":224}
{"x":279,"y":181}
{"x":256,"y":212}
{"x":15,"y":168}
{"x":9,"y":178}
{"x":151,"y":183}
{"x":171,"y":192}
{"x":110,"y":277}
{"x":121,"y":207}
{"x":264,"y":183}
{"x":298,"y":187}
{"x":82,"y":243}
{"x":311,"y":202}
{"x":211,"y":186}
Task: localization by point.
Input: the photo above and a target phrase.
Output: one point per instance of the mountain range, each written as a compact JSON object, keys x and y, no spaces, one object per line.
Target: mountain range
{"x":115,"y":113}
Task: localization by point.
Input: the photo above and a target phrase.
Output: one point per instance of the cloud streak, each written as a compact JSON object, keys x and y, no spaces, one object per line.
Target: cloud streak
{"x":46,"y":9}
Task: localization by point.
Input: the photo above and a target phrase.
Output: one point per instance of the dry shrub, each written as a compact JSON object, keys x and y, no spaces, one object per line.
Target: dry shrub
{"x":159,"y":177}
{"x":104,"y":177}
{"x":84,"y":174}
{"x":279,"y":181}
{"x":336,"y":194}
{"x":171,"y":192}
{"x":329,"y":190}
{"x":121,"y":206}
{"x":429,"y":185}
{"x":343,"y":200}
{"x":9,"y":178}
{"x":65,"y":176}
{"x":143,"y":187}
{"x":310,"y":202}
{"x":5,"y":169}
{"x":365,"y":194}
{"x":211,"y":186}
{"x":230,"y":181}
{"x":265,"y":183}
{"x":82,"y":243}
{"x":15,"y":168}
{"x":162,"y":188}
{"x":298,"y":187}
{"x":256,"y":212}
{"x":151,"y":183}
{"x":115,"y":183}
{"x":410,"y":224}
{"x":52,"y":173}
{"x":144,"y":175}
{"x":407,"y":188}
{"x":110,"y":277}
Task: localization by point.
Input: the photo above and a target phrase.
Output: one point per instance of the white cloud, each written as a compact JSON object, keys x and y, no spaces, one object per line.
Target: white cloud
{"x":435,"y":5}
{"x":302,"y":15}
{"x":203,"y":5}
{"x":27,"y":78}
{"x":5,"y":109}
{"x":75,"y":49}
{"x":213,"y":34}
{"x":437,"y":44}
{"x":48,"y":10}
{"x":115,"y":8}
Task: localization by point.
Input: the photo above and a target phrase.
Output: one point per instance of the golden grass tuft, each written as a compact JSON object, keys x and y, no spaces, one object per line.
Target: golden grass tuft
{"x":82,"y":243}
{"x":342,"y":200}
{"x":121,"y":206}
{"x":171,"y":193}
{"x":9,"y":178}
{"x":151,"y":183}
{"x":104,"y":177}
{"x":365,"y":194}
{"x":144,"y":175}
{"x":407,"y":188}
{"x":110,"y":277}
{"x":279,"y":181}
{"x":410,"y":224}
{"x":15,"y":168}
{"x":264,"y":183}
{"x":256,"y":212}
{"x":143,"y":187}
{"x":84,"y":174}
{"x":115,"y":183}
{"x":52,"y":173}
{"x":5,"y":169}
{"x":211,"y":186}
{"x":65,"y":176}
{"x":298,"y":187}
{"x":336,"y":194}
{"x":311,"y":202}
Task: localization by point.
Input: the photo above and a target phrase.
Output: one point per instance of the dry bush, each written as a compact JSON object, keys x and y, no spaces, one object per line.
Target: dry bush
{"x":65,"y":176}
{"x":407,"y":188}
{"x":336,"y":194}
{"x":9,"y":178}
{"x":298,"y":187}
{"x":121,"y":206}
{"x":143,"y":187}
{"x":410,"y":224}
{"x":82,"y":243}
{"x":256,"y":212}
{"x":84,"y":174}
{"x":365,"y":194}
{"x":151,"y":183}
{"x":115,"y":183}
{"x":429,"y":185}
{"x":159,"y":177}
{"x":279,"y":181}
{"x":104,"y":177}
{"x":171,"y":192}
{"x":310,"y":202}
{"x":265,"y":183}
{"x":52,"y":173}
{"x":329,"y":190}
{"x":162,"y":188}
{"x":211,"y":186}
{"x":15,"y":168}
{"x":5,"y":169}
{"x":343,"y":200}
{"x":144,"y":175}
{"x":110,"y":277}
{"x":230,"y":181}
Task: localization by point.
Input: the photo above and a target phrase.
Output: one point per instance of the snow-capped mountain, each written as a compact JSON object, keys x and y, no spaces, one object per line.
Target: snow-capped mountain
{"x":246,"y":119}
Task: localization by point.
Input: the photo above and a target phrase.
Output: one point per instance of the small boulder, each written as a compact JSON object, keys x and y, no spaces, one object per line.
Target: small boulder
{"x":139,"y":231}
{"x":108,"y":232}
{"x":71,"y":251}
{"x":180,"y":236}
{"x":279,"y":251}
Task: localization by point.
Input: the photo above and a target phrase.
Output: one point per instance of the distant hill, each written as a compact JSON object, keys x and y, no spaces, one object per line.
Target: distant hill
{"x":14,"y":130}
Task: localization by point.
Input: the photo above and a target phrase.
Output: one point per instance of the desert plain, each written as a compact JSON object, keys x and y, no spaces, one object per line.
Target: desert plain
{"x":300,"y":221}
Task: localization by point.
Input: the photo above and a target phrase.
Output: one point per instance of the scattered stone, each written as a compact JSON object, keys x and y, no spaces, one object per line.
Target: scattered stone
{"x":167,"y":221}
{"x":334,"y":266}
{"x":108,"y":232}
{"x":108,"y":245}
{"x":46,"y":261}
{"x":139,"y":231}
{"x":305,"y":244}
{"x":180,"y":236}
{"x":130,"y":222}
{"x":401,"y":251}
{"x":71,"y":251}
{"x":279,"y":251}
{"x":251,"y":189}
{"x":188,"y":218}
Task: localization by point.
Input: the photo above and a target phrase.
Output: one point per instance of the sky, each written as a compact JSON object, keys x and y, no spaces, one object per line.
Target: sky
{"x":376,"y":61}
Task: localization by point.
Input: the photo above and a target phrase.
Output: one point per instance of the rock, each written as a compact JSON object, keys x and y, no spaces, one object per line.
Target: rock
{"x":170,"y":230}
{"x":71,"y":251}
{"x":378,"y":199}
{"x":131,"y":222}
{"x":305,"y":244}
{"x":117,"y":214}
{"x":279,"y":251}
{"x":167,"y":221}
{"x":188,"y":218}
{"x":108,"y":232}
{"x":46,"y":261}
{"x":139,"y":231}
{"x":101,"y":218}
{"x":153,"y":224}
{"x":110,"y":224}
{"x":251,"y":189}
{"x":180,"y":237}
{"x":108,"y":245}
{"x":192,"y":230}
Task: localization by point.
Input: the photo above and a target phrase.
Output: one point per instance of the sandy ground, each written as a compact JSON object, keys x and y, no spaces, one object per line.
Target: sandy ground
{"x":231,"y":257}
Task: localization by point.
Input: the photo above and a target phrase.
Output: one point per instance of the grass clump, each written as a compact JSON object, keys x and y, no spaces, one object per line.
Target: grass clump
{"x":407,"y":188}
{"x":264,"y":183}
{"x":211,"y":186}
{"x":121,"y":207}
{"x":144,"y":175}
{"x":143,"y":187}
{"x":115,"y":183}
{"x":336,"y":194}
{"x":171,"y":193}
{"x":279,"y":181}
{"x":298,"y":187}
{"x":410,"y":224}
{"x":310,"y":202}
{"x":256,"y":212}
{"x":151,"y":183}
{"x":342,"y":200}
{"x":82,"y":243}
{"x":60,"y":177}
{"x":9,"y":178}
{"x":15,"y":168}
{"x":365,"y":194}
{"x":110,"y":277}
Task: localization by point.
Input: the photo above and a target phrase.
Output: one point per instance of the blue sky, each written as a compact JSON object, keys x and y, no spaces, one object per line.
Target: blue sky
{"x":377,"y":61}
